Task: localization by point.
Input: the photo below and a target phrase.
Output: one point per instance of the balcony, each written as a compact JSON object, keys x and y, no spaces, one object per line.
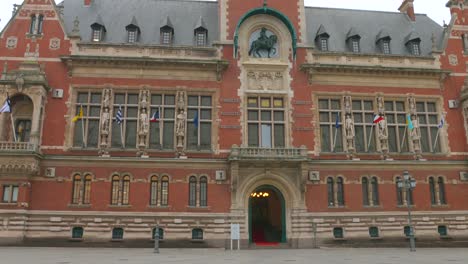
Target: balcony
{"x":6,"y":146}
{"x":279,"y":154}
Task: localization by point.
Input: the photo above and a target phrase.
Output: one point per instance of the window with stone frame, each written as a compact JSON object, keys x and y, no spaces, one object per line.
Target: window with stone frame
{"x":199,"y":122}
{"x":162,"y":132}
{"x":437,"y":190}
{"x":266,"y":123}
{"x":428,"y":119}
{"x":363,"y":114}
{"x":159,"y":190}
{"x":90,"y":102}
{"x":198,"y":195}
{"x":329,"y":115}
{"x":120,"y":190}
{"x":124,"y":135}
{"x":370,"y":191}
{"x":395,"y":116}
{"x":81,"y":189}
{"x":10,"y":193}
{"x":335,"y":191}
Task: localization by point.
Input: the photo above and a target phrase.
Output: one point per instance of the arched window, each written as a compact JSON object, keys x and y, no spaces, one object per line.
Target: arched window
{"x":203,"y":191}
{"x":193,"y":191}
{"x":76,"y":189}
{"x":117,"y":233}
{"x":77,"y":232}
{"x":441,"y":184}
{"x":375,"y":191}
{"x":331,"y":191}
{"x":365,"y":191}
{"x":125,"y":189}
{"x":399,"y":192}
{"x":432,"y":190}
{"x":32,"y":26}
{"x":197,"y":234}
{"x":340,"y":191}
{"x":87,"y":189}
{"x":154,"y":190}
{"x":40,"y":24}
{"x":115,"y":190}
{"x":164,"y":190}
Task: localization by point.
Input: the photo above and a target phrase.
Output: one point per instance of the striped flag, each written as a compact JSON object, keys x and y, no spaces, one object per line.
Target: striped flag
{"x":119,"y":116}
{"x":6,"y":108}
{"x":378,"y":119}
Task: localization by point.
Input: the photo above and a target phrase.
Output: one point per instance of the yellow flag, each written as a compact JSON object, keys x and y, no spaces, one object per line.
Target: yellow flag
{"x":79,"y":116}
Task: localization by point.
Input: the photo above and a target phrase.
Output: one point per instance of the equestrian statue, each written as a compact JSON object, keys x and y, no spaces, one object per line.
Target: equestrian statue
{"x":264,"y":43}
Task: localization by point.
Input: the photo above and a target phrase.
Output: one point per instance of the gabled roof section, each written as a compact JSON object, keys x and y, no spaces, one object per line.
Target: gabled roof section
{"x":152,"y":15}
{"x":134,"y":22}
{"x":322,"y":32}
{"x":369,"y":24}
{"x":412,"y":36}
{"x":383,"y":34}
{"x":352,"y":33}
{"x":98,"y":21}
{"x":200,"y":24}
{"x":167,"y":23}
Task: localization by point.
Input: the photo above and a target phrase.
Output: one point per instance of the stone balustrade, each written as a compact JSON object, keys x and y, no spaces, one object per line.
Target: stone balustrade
{"x":7,"y":146}
{"x":253,"y":153}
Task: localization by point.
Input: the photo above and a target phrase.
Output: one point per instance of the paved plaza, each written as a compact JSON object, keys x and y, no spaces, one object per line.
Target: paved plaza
{"x":199,"y":256}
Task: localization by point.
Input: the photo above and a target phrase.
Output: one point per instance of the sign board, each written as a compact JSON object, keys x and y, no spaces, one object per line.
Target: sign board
{"x":235,"y":232}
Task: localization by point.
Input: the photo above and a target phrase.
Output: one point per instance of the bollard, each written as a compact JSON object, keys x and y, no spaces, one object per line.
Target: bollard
{"x":156,"y":240}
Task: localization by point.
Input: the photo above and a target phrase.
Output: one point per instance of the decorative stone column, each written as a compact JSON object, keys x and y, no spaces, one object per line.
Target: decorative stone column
{"x":105,"y":123}
{"x":181,"y":121}
{"x":143,"y":125}
{"x":349,"y":127}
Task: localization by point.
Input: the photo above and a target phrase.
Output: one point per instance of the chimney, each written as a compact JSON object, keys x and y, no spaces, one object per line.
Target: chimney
{"x":408,"y":8}
{"x":87,"y":2}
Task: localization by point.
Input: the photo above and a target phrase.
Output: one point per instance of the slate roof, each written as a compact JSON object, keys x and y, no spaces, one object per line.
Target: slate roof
{"x":186,"y":15}
{"x":369,"y":24}
{"x":115,"y":15}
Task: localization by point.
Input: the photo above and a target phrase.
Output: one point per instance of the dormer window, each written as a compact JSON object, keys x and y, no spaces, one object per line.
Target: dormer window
{"x":167,"y":34}
{"x":133,"y":34}
{"x":97,"y":32}
{"x":415,"y":48}
{"x":384,"y":46}
{"x":413,"y":43}
{"x":353,"y":38}
{"x":200,"y":37}
{"x":355,"y":45}
{"x":321,"y":41}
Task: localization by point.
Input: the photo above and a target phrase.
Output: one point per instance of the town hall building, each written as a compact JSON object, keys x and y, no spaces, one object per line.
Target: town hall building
{"x":306,"y":126}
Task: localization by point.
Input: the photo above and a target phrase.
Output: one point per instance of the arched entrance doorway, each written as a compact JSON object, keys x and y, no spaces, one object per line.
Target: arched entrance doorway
{"x":267,"y":216}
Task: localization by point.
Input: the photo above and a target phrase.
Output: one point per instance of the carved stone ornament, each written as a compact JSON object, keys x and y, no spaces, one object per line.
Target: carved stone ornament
{"x":263,"y":44}
{"x":11,"y":42}
{"x":349,"y":132}
{"x":453,"y":59}
{"x":181,"y":120}
{"x":412,"y":105}
{"x":54,"y":44}
{"x":143,"y":123}
{"x":19,"y":166}
{"x":105,"y":123}
{"x":265,"y":80}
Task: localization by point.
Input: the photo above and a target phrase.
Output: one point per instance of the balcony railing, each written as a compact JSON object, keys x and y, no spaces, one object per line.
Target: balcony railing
{"x":249,"y":153}
{"x":17,"y":147}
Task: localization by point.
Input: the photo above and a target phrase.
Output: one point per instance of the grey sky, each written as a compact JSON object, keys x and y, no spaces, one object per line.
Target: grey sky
{"x":435,"y":9}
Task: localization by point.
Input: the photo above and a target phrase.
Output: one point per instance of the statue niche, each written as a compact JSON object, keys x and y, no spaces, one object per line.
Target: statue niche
{"x":265,"y":45}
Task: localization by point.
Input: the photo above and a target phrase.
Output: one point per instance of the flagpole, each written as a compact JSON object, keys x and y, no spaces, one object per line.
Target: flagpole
{"x":404,"y":138}
{"x":334,"y":141}
{"x":370,"y":137}
{"x":13,"y":126}
{"x":159,"y":127}
{"x":435,"y":142}
{"x":83,"y":130}
{"x":121,"y":135}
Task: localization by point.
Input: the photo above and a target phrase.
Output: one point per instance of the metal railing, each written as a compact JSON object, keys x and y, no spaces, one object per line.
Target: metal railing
{"x":7,"y":146}
{"x":243,"y":153}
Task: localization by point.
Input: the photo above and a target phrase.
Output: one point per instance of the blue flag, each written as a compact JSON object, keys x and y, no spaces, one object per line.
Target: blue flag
{"x":119,"y":116}
{"x":337,"y":122}
{"x":196,"y":120}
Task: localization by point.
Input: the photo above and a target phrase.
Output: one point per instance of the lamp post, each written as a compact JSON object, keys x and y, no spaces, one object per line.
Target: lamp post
{"x":408,"y":184}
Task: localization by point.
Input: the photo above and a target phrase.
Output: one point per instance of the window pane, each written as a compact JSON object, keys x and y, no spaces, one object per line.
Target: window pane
{"x":206,"y":100}
{"x":205,"y":136}
{"x":165,"y":191}
{"x":325,"y":139}
{"x":203,"y":192}
{"x":192,"y":191}
{"x":6,"y":193}
{"x":168,"y":135}
{"x":365,"y":191}
{"x":266,"y":115}
{"x":93,"y":133}
{"x":130,"y":134}
{"x":253,"y":135}
{"x":266,"y":136}
{"x":253,"y":115}
{"x":279,"y":136}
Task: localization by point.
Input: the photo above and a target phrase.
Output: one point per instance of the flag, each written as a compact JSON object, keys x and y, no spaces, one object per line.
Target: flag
{"x":409,"y":123}
{"x":155,"y":117}
{"x":79,"y":115}
{"x":119,"y":116}
{"x":196,"y":120}
{"x":441,"y":124}
{"x":378,"y":119}
{"x":337,"y":122}
{"x":6,"y":108}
